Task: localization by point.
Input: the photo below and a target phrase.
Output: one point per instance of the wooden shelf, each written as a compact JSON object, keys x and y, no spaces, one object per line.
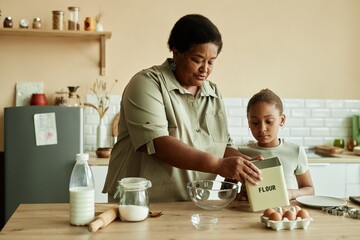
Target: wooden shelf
{"x":100,"y":36}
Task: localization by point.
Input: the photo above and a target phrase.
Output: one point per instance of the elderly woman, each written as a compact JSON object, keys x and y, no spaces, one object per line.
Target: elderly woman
{"x":173,"y":127}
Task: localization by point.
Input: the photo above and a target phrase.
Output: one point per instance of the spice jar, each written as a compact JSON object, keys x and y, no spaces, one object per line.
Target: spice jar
{"x":73,"y":21}
{"x":36,"y":23}
{"x":351,"y":143}
{"x":134,"y":199}
{"x":61,"y":98}
{"x":58,"y":20}
{"x":8,"y":23}
{"x":89,"y":24}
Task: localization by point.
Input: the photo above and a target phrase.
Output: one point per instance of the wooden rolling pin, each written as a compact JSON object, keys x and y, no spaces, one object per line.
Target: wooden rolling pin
{"x":104,"y":219}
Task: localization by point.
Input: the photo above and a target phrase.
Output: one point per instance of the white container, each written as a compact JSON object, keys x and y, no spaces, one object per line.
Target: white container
{"x":134,"y":199}
{"x":82,"y":192}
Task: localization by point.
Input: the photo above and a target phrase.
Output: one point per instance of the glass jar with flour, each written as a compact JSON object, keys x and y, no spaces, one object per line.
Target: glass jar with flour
{"x":134,"y":199}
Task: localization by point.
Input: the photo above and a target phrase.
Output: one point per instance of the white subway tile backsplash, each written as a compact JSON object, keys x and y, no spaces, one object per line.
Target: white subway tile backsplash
{"x":313,"y":141}
{"x":334,"y":103}
{"x":236,"y":112}
{"x":351,"y":104}
{"x":293,"y":103}
{"x":298,"y":132}
{"x":233,"y":102}
{"x":309,"y":122}
{"x":336,"y":122}
{"x":340,"y":112}
{"x":294,"y":122}
{"x":340,"y":132}
{"x":236,"y":122}
{"x":320,"y":132}
{"x":314,"y":104}
{"x":320,"y":113}
{"x":314,"y":122}
{"x":300,"y":112}
{"x":284,"y":132}
{"x":355,"y":111}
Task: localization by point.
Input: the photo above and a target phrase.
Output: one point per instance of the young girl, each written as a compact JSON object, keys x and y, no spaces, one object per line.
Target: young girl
{"x":265,"y":117}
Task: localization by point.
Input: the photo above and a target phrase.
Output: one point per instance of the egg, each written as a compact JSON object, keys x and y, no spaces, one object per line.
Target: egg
{"x":267,"y":212}
{"x":303,"y":214}
{"x":289,"y":215}
{"x":275,"y":216}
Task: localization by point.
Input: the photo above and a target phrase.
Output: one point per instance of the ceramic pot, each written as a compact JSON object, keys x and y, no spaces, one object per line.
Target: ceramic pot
{"x":38,"y":99}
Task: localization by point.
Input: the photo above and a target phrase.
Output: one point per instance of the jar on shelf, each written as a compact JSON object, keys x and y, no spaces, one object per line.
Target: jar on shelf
{"x":58,"y":20}
{"x":36,"y":23}
{"x":61,"y":98}
{"x":73,"y":21}
{"x":8,"y":22}
{"x":89,"y":24}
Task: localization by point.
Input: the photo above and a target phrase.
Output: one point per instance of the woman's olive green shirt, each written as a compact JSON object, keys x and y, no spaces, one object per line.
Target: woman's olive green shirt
{"x":153,"y":105}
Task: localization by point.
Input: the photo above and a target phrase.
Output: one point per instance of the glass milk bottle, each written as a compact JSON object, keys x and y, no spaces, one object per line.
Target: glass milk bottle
{"x":134,"y":199}
{"x":82,"y":192}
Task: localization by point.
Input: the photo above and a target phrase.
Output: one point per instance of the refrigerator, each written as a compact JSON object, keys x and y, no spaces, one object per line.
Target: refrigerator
{"x":41,"y":143}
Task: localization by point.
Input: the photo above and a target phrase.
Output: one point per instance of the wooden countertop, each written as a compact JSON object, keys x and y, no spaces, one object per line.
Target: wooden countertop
{"x":51,"y":221}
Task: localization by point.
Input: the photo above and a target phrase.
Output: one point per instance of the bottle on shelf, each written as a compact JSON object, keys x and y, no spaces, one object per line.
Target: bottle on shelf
{"x":82,"y":192}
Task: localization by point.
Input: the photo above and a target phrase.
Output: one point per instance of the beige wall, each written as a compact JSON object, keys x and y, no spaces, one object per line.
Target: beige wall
{"x":299,"y":48}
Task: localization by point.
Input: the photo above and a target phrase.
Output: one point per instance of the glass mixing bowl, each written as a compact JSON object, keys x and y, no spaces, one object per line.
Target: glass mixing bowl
{"x":211,"y":194}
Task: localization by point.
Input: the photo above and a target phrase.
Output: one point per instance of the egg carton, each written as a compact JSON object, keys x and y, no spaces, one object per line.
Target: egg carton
{"x":286,"y":223}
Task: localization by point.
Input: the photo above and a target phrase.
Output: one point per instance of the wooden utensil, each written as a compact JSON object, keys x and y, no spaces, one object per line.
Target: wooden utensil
{"x":104,"y":219}
{"x":328,"y":150}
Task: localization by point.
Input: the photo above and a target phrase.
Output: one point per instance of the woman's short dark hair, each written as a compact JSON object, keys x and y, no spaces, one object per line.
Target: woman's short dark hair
{"x":193,"y":29}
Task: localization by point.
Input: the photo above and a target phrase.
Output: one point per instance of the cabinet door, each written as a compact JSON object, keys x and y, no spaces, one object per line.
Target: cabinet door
{"x":329,"y":179}
{"x":99,"y":177}
{"x":352,"y":179}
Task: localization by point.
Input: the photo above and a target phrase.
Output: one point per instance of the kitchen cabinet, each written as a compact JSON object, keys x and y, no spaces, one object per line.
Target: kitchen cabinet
{"x":352,"y":180}
{"x":98,"y":36}
{"x":336,"y":179}
{"x":99,"y":173}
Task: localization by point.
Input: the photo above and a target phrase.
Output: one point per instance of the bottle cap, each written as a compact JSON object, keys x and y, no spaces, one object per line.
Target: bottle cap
{"x":82,"y":157}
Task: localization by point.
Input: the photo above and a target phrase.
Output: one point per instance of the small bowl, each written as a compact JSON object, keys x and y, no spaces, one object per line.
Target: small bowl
{"x":204,"y":221}
{"x":211,"y":194}
{"x":103,"y":152}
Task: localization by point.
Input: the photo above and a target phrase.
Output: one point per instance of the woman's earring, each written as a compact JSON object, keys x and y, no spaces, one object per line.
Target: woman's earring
{"x":173,"y":66}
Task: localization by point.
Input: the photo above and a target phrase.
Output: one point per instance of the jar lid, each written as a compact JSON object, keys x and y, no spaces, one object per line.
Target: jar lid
{"x":134,"y":183}
{"x":58,"y":12}
{"x":74,"y":8}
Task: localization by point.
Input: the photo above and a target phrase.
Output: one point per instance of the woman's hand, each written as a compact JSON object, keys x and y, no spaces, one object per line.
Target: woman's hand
{"x":239,"y":169}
